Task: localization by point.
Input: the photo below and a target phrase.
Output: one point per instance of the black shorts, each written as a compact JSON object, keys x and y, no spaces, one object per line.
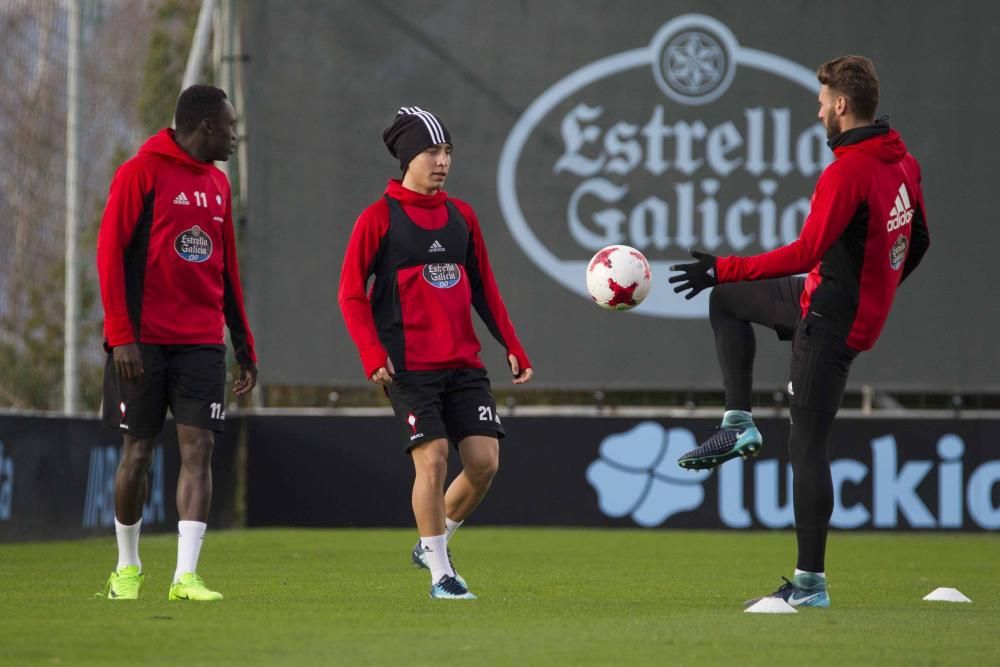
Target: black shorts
{"x":189,"y":379}
{"x":451,"y":404}
{"x":821,"y":362}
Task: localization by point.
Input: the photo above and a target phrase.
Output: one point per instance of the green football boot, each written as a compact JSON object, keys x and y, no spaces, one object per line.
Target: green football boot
{"x":191,"y":587}
{"x":124,"y":584}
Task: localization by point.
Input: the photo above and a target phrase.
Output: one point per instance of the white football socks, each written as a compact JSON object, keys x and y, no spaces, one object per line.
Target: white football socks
{"x":128,"y":543}
{"x":436,"y":548}
{"x":189,"y":537}
{"x":451,"y":527}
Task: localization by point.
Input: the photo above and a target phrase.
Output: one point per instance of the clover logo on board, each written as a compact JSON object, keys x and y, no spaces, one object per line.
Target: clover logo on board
{"x":637,"y":474}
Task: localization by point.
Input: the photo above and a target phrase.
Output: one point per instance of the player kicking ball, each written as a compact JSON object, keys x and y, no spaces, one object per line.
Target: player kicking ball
{"x":865,"y":233}
{"x":414,"y":331}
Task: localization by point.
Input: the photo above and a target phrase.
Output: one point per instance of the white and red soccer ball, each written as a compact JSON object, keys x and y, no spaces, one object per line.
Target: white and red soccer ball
{"x":619,"y":277}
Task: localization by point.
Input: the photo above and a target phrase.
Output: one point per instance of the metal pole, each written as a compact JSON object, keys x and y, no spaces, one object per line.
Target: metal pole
{"x":71,"y":369}
{"x":238,"y":74}
{"x":221,"y":65}
{"x":199,"y":44}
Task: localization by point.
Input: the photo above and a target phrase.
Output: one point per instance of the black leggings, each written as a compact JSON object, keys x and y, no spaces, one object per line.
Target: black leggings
{"x":812,"y":490}
{"x":732,"y":308}
{"x":819,"y":368}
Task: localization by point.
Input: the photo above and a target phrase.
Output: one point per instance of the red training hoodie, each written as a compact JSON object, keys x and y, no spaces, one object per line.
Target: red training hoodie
{"x":166,"y":253}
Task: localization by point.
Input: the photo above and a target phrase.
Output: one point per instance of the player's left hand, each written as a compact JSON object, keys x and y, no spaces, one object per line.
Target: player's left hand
{"x":695,"y":276}
{"x":384,"y":374}
{"x":520,"y":376}
{"x":247,"y":380}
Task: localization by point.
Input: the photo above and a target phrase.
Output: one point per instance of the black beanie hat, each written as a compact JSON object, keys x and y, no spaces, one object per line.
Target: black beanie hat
{"x":412,"y":132}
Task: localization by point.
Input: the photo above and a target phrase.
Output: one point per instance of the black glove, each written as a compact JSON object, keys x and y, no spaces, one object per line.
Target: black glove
{"x":695,"y":276}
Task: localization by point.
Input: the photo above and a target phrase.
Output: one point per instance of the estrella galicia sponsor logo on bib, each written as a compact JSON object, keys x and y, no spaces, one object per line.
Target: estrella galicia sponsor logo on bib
{"x":442,"y":276}
{"x":193,"y":245}
{"x":898,"y":252}
{"x":689,"y":140}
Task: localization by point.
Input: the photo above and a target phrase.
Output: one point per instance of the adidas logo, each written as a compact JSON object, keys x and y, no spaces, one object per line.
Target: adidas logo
{"x":182,"y":200}
{"x":902,"y":213}
{"x":436,"y":247}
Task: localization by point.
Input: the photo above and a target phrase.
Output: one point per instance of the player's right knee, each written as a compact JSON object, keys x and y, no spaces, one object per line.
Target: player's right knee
{"x":138,"y":455}
{"x":430,"y":461}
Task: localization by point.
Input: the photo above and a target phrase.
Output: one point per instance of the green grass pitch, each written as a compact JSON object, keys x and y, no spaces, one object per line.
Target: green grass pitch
{"x":547,"y":597}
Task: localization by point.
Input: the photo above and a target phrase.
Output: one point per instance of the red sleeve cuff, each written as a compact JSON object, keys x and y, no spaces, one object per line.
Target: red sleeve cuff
{"x":118,"y":331}
{"x":522,"y":358}
{"x":724,"y":269}
{"x":372,"y":361}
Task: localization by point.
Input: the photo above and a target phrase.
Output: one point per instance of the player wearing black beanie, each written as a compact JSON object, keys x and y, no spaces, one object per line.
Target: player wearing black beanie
{"x":413,"y":328}
{"x":413,"y":131}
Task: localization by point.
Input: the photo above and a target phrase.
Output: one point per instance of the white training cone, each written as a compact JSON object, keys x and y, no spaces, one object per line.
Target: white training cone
{"x":770,"y":606}
{"x":946,"y":595}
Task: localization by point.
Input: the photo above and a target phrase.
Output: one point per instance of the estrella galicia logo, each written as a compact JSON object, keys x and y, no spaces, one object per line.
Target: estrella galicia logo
{"x":637,"y":474}
{"x":442,"y":276}
{"x":654,"y":150}
{"x":897,"y":253}
{"x":693,"y":62}
{"x":193,"y":245}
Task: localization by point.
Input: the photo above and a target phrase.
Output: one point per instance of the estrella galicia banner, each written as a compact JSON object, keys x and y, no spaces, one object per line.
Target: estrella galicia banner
{"x":669,"y":168}
{"x":664,"y":125}
{"x":888,"y":474}
{"x":57,"y":479}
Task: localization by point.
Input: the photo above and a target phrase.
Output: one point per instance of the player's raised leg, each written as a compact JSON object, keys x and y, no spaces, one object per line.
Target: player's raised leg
{"x":733,"y":309}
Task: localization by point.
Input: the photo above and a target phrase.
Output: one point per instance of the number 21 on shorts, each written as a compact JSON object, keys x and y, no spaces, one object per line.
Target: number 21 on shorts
{"x":486,"y":414}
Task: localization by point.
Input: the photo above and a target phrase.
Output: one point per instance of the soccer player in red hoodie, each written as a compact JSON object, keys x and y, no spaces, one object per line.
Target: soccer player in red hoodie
{"x":865,"y":233}
{"x":413,"y":328}
{"x":166,"y":259}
